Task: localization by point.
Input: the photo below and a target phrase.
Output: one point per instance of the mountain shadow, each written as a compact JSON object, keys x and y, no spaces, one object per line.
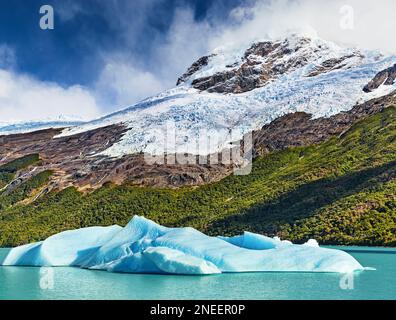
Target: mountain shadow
{"x":303,"y":202}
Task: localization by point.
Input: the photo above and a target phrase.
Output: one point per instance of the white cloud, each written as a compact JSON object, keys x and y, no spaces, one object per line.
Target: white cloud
{"x":23,"y":98}
{"x":123,"y":81}
{"x":186,"y":40}
{"x":121,"y":84}
{"x":373,"y":22}
{"x":127,"y":78}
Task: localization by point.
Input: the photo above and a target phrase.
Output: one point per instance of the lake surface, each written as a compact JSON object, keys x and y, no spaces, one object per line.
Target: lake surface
{"x":72,"y":283}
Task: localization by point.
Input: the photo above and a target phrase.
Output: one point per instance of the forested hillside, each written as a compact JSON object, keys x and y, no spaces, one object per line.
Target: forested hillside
{"x":342,"y":191}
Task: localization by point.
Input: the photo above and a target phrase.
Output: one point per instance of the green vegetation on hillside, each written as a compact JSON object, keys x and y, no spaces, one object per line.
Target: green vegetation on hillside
{"x":7,"y":171}
{"x":20,"y":163}
{"x":8,"y":199}
{"x":340,"y":192}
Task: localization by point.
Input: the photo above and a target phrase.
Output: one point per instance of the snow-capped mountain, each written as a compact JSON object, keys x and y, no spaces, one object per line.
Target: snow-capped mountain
{"x":25,"y":127}
{"x":234,"y":91}
{"x":321,"y":117}
{"x":45,"y":123}
{"x":289,"y":93}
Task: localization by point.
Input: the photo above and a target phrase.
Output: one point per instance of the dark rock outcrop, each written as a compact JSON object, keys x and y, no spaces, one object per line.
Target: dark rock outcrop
{"x":196,"y":66}
{"x":331,"y":65}
{"x":260,"y":64}
{"x":386,"y":77}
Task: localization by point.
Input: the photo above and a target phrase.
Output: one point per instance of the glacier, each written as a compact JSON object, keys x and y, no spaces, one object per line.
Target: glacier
{"x":8,"y":128}
{"x":200,"y":116}
{"x":146,"y":247}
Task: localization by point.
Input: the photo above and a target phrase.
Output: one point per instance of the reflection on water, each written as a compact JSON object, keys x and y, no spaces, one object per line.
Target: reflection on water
{"x":72,"y":283}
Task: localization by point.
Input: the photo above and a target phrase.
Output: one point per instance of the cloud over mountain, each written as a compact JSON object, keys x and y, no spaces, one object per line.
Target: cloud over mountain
{"x":147,"y":45}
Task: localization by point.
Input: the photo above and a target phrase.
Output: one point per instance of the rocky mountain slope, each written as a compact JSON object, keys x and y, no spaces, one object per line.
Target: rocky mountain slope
{"x":309,"y":87}
{"x":237,"y":90}
{"x":300,"y":129}
{"x":267,"y":61}
{"x":321,"y":117}
{"x":341,"y":191}
{"x":75,"y":160}
{"x":386,"y":77}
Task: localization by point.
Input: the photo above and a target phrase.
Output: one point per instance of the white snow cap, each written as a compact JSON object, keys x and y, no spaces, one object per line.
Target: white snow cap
{"x":196,"y":115}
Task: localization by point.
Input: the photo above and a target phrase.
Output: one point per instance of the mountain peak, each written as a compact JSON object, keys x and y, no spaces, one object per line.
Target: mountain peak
{"x":240,"y":70}
{"x":236,"y":90}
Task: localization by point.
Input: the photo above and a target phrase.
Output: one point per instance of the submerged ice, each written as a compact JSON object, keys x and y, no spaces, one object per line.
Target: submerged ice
{"x":146,"y":247}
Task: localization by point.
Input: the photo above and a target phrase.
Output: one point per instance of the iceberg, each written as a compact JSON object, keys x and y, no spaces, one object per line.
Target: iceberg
{"x":146,"y":247}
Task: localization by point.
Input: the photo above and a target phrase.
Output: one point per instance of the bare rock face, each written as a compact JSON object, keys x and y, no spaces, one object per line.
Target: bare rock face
{"x":262,"y":63}
{"x":70,"y":158}
{"x":299,"y":129}
{"x":331,"y":64}
{"x":196,"y":66}
{"x":77,"y":161}
{"x":386,"y":77}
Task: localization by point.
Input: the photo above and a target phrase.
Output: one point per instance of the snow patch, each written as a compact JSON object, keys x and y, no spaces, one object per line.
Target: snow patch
{"x":26,"y":127}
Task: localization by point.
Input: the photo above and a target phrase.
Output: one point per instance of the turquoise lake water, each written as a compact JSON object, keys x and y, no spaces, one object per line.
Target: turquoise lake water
{"x":72,"y":283}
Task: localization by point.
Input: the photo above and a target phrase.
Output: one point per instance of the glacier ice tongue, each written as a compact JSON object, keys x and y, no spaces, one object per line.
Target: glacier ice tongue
{"x":146,"y":247}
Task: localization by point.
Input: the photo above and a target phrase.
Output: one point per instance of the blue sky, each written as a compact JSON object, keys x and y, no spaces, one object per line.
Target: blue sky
{"x":104,"y":55}
{"x":97,"y":42}
{"x":71,"y":53}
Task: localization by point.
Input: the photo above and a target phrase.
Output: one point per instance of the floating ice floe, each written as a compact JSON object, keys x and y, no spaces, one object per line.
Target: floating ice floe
{"x":146,"y":247}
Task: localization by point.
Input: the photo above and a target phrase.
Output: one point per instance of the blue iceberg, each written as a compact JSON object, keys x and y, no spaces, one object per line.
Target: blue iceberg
{"x":146,"y":247}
